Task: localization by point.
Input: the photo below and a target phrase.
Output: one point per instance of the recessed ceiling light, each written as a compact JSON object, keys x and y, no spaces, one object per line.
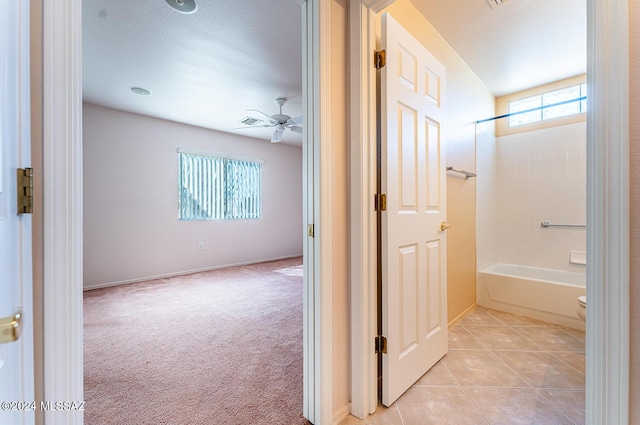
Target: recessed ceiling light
{"x":183,"y":6}
{"x":140,"y":91}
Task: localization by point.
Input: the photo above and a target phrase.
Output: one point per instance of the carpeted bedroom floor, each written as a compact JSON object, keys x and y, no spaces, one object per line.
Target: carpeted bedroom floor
{"x":218,"y":347}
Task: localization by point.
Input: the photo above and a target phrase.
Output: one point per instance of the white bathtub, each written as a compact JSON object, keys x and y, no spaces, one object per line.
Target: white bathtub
{"x":543,"y":294}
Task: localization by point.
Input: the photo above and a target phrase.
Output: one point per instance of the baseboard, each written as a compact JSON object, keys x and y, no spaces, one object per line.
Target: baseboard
{"x":186,"y":272}
{"x":341,"y":414}
{"x":461,"y":315}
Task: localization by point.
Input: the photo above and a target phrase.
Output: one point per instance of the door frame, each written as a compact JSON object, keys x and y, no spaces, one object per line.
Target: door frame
{"x":63,"y":213}
{"x":607,"y":371}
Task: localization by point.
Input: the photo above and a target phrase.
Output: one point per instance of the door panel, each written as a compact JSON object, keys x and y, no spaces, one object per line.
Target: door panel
{"x":16,"y":358}
{"x":414,"y":316}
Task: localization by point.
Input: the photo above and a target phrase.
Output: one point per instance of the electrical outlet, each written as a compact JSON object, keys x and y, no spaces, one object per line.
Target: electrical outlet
{"x":201,"y":246}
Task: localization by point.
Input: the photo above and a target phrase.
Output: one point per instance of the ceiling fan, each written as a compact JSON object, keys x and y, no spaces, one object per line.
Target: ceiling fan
{"x":280,"y":121}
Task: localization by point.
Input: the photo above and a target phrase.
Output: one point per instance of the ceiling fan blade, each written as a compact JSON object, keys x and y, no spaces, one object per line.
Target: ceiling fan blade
{"x":253,"y":126}
{"x":296,"y":129}
{"x":277,"y":136}
{"x":260,"y":112}
{"x":297,"y":120}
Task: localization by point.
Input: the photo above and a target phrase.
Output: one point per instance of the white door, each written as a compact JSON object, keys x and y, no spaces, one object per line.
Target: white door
{"x":414,"y":263}
{"x":16,"y":358}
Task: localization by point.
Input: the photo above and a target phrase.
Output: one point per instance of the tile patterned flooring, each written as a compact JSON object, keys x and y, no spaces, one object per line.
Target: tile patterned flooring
{"x":500,"y":369}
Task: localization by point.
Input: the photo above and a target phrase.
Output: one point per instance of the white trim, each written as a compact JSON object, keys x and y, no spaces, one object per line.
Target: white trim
{"x":607,"y":370}
{"x":341,"y":414}
{"x":308,"y":308}
{"x":62,"y":156}
{"x":317,"y":314}
{"x":364,"y":368}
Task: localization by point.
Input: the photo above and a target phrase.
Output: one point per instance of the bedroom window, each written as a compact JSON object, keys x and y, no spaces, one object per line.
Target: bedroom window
{"x":217,"y":188}
{"x":550,"y":105}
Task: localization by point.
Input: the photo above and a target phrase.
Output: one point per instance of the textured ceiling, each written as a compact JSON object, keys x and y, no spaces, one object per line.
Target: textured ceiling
{"x":517,"y":45}
{"x":207,"y":68}
{"x":203,"y":69}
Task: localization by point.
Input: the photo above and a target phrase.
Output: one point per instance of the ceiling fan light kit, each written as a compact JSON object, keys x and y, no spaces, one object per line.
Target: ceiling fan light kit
{"x":280,"y":121}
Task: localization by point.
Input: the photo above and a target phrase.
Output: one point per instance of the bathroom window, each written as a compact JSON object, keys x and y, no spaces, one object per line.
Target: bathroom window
{"x":217,"y":188}
{"x":554,"y":104}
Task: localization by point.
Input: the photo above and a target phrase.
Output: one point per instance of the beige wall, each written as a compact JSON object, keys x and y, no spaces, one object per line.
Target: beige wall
{"x":634,"y":96}
{"x":467,"y":100}
{"x":340,"y":207}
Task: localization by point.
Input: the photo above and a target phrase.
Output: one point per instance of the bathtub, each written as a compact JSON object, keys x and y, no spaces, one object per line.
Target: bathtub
{"x":538,"y":293}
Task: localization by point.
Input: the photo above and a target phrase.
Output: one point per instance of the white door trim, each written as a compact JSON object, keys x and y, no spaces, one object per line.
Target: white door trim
{"x":62,"y":169}
{"x":62,"y":165}
{"x":607,"y":213}
{"x":363,"y":133}
{"x":362,"y":220}
{"x":317,"y":314}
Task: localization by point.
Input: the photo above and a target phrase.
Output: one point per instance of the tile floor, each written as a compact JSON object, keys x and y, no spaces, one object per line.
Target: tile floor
{"x":500,"y":369}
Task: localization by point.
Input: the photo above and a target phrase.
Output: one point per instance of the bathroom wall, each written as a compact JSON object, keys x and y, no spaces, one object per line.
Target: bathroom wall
{"x":538,"y":176}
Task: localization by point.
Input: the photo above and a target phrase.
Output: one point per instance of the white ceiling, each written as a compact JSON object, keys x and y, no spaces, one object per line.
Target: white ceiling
{"x":207,"y":68}
{"x":203,"y":69}
{"x":517,"y":45}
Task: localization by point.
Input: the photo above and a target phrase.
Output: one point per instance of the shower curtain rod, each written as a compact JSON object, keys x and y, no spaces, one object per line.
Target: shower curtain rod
{"x":578,"y":99}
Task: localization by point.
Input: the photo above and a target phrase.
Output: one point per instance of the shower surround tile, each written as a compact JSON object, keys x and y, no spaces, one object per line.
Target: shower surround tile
{"x":527,"y":178}
{"x":500,"y":369}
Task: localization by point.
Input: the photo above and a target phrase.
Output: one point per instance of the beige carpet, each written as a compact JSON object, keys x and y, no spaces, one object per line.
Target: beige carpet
{"x":220,"y":347}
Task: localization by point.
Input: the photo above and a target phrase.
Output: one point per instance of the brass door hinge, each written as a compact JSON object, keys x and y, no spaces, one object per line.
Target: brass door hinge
{"x":381,"y":344}
{"x":379,"y":59}
{"x":310,"y":230}
{"x":10,"y":328}
{"x":24,"y":189}
{"x":380,"y":202}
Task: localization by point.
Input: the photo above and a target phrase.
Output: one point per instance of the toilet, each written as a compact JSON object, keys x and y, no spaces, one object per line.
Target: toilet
{"x":582,"y":307}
